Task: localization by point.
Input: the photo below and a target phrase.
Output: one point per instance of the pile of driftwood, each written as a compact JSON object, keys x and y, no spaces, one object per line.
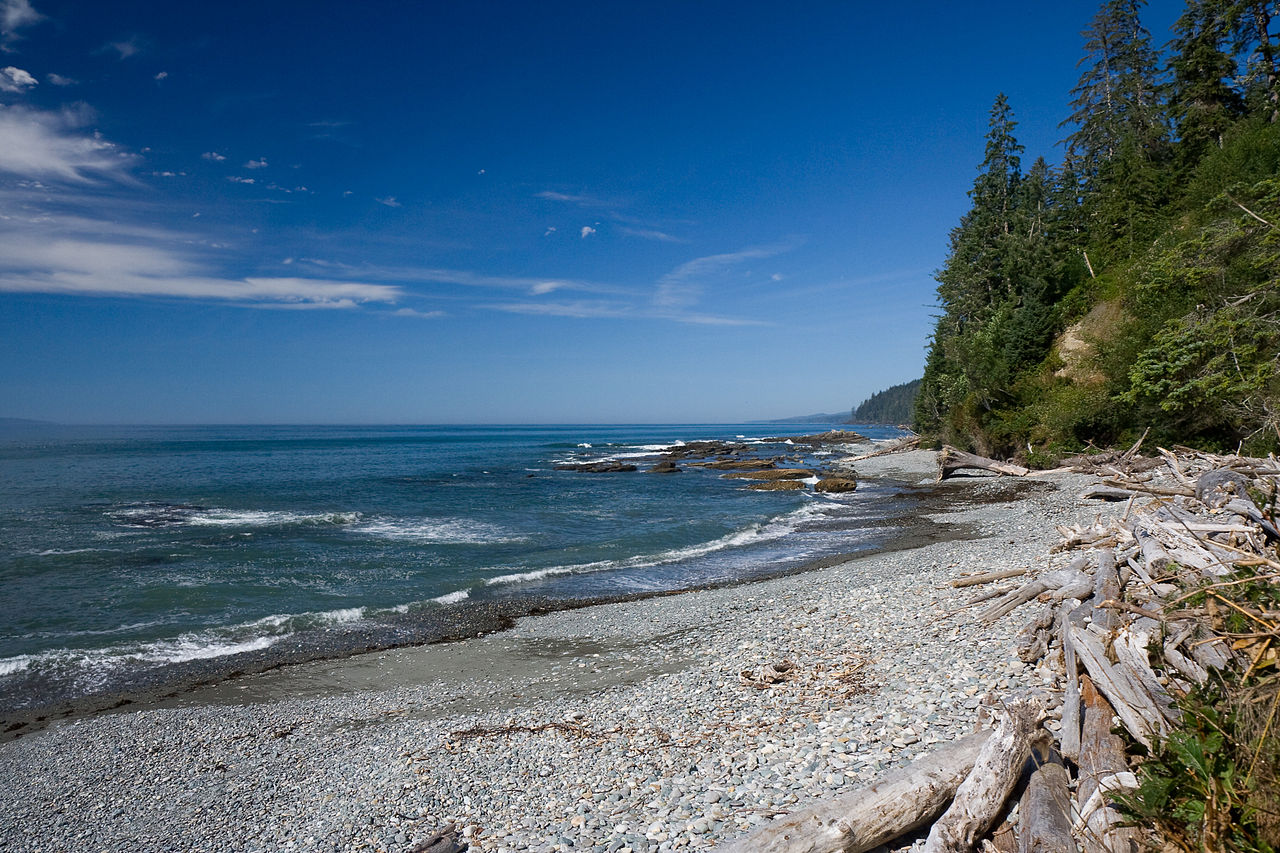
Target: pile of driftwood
{"x":1113,"y":625}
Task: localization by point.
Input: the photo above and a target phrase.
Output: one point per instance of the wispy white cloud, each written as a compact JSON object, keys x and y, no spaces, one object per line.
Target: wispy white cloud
{"x":92,"y":266}
{"x":418,"y":275}
{"x":569,"y":198}
{"x":650,"y":234}
{"x":59,"y":80}
{"x":241,"y":179}
{"x":15,"y":80}
{"x":161,"y":75}
{"x":389,"y":201}
{"x":260,"y":163}
{"x":16,"y":15}
{"x":580,"y":310}
{"x":595,"y":300}
{"x":124,"y":48}
{"x":414,"y":312}
{"x":682,"y":287}
{"x":36,"y":144}
{"x":587,"y":231}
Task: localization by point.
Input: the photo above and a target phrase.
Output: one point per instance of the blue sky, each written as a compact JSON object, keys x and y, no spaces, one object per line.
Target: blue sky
{"x":407,"y":212}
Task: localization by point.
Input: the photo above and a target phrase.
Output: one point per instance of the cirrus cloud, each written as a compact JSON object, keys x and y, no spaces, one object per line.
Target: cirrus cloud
{"x":36,"y":144}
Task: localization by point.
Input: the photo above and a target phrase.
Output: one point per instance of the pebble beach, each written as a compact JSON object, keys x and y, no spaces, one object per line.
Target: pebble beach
{"x":618,"y":727}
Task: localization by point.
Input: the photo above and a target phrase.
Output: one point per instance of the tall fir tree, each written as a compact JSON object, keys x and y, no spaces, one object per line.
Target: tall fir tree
{"x":993,"y":264}
{"x":977,"y":275}
{"x":1121,"y":128}
{"x":1254,"y":23}
{"x":1202,"y":101}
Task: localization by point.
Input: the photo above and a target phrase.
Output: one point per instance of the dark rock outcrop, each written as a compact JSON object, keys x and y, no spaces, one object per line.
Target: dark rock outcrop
{"x":777,"y":486}
{"x":772,"y":474}
{"x":610,"y":466}
{"x":666,"y":466}
{"x":835,"y":485}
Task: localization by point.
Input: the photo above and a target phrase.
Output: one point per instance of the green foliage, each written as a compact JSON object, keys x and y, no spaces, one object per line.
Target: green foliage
{"x":894,"y":405}
{"x":1212,"y":784}
{"x":1167,"y":207}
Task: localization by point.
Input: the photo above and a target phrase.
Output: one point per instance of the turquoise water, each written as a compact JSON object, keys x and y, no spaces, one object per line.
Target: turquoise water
{"x":141,"y":547}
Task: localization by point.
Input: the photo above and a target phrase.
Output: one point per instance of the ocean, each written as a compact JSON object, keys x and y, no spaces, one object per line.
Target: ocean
{"x":137,"y":556}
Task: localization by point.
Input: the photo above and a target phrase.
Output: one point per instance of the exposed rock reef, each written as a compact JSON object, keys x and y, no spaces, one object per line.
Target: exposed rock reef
{"x":748,"y":461}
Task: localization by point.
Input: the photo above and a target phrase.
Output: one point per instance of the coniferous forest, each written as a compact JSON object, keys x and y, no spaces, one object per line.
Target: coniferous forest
{"x":1135,"y":285}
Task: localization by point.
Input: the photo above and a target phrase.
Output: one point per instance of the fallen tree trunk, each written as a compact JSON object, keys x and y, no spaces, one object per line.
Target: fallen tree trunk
{"x":1102,"y":766}
{"x":951,"y":460}
{"x":984,"y":791}
{"x":910,"y":443}
{"x":987,"y":577}
{"x":898,"y":802}
{"x":1069,"y":736}
{"x":1044,"y":825}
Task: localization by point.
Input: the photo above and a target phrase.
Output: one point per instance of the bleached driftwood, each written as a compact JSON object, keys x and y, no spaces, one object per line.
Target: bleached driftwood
{"x":987,"y":577}
{"x":1107,"y":493}
{"x":896,"y":803}
{"x":1154,"y":556}
{"x":1069,"y":735}
{"x":1130,"y":646}
{"x":1072,"y":576}
{"x":1032,"y":642}
{"x":1133,"y":706}
{"x":951,"y":460}
{"x":994,"y":592}
{"x":909,"y":443}
{"x":1106,"y":587}
{"x":1102,"y":760}
{"x":982,"y":794}
{"x":1044,"y":822}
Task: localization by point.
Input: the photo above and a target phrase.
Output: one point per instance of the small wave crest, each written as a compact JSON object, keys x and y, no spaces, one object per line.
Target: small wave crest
{"x":439,"y":531}
{"x":90,"y":668}
{"x":153,"y":514}
{"x":751,"y":535}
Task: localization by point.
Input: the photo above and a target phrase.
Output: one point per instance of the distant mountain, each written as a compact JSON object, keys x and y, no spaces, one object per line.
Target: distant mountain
{"x":837,"y":418}
{"x":891,"y":406}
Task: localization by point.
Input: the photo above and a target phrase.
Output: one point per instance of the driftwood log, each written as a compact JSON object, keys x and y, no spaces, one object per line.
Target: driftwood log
{"x":1044,"y":824}
{"x":951,"y":460}
{"x":983,"y":793}
{"x":1102,"y":768}
{"x":897,"y":803}
{"x":909,"y":443}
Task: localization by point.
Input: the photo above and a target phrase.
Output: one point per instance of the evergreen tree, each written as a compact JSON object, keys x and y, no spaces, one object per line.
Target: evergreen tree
{"x":977,"y":276}
{"x":1202,"y":103}
{"x":1121,"y":135}
{"x":1253,"y":22}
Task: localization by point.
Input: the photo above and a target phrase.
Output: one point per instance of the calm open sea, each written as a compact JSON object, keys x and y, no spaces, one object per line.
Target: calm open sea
{"x":128,"y":549}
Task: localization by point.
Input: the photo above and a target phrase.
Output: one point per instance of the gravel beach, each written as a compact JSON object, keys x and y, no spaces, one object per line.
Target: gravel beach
{"x":615,"y":727}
